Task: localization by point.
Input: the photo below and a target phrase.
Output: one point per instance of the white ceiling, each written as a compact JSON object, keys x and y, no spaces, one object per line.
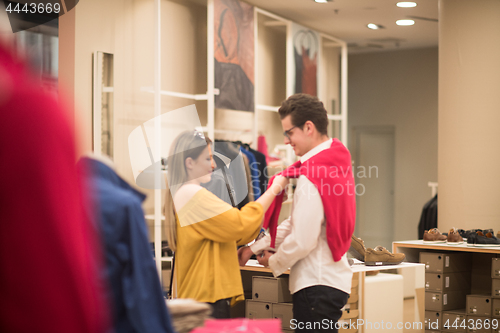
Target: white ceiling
{"x":347,"y":20}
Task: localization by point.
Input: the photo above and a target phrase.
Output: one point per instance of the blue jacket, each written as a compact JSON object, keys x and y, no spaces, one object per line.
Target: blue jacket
{"x":135,"y":291}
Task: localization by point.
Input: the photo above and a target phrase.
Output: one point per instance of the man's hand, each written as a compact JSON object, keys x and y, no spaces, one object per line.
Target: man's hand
{"x":244,"y":253}
{"x":263,"y":259}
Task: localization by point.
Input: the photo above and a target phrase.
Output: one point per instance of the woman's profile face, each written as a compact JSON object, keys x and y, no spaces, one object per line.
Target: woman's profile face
{"x":204,"y":165}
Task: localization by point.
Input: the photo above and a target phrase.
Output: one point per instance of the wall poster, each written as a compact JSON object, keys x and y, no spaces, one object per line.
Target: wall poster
{"x":234,"y":55}
{"x":305,"y":51}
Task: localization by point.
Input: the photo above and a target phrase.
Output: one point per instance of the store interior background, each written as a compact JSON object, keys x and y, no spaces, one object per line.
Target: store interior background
{"x":392,"y":95}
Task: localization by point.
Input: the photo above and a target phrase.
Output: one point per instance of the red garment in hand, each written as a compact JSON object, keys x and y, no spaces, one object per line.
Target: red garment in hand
{"x":331,"y":172}
{"x":48,"y":251}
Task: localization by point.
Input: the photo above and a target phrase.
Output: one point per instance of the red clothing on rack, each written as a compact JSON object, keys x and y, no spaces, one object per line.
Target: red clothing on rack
{"x":49,"y":252}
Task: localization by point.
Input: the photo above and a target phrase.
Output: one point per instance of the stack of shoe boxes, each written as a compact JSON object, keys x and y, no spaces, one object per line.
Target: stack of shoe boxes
{"x":271,"y":298}
{"x":480,"y":307}
{"x":447,"y":282}
{"x":495,"y":293}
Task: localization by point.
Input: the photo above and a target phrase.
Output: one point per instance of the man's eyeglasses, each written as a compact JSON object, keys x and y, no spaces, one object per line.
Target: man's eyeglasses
{"x":287,"y":132}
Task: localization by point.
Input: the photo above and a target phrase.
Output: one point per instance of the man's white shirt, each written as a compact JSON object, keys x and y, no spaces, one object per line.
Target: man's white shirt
{"x":301,"y":241}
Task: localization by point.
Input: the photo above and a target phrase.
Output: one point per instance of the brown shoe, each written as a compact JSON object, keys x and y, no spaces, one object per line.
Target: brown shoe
{"x":357,"y":249}
{"x":380,"y":256}
{"x":454,"y":238}
{"x":434,"y":236}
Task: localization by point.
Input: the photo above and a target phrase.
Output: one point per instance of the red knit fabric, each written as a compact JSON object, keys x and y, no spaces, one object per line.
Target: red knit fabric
{"x":49,"y":253}
{"x":331,"y":172}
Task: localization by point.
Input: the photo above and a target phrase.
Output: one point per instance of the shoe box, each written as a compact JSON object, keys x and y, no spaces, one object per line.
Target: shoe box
{"x":495,"y":287}
{"x":446,"y":262}
{"x":447,"y":281}
{"x":495,"y":268}
{"x":495,"y":308}
{"x":480,"y":324}
{"x":258,"y":310}
{"x":479,"y":305}
{"x":454,"y":321}
{"x":443,"y":301}
{"x":270,"y":289}
{"x":433,"y":320}
{"x":283,"y":311}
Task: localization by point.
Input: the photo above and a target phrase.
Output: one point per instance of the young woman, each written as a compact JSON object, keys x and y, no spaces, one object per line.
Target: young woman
{"x":203,"y":230}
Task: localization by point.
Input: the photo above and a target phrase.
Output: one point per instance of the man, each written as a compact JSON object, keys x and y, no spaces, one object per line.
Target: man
{"x":314,"y":240}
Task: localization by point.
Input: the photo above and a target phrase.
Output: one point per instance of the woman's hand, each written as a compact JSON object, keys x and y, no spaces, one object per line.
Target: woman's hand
{"x":244,"y":254}
{"x":279,"y":184}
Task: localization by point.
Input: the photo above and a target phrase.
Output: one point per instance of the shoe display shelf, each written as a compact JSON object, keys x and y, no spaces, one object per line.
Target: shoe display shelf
{"x":461,"y":283}
{"x":374,"y":300}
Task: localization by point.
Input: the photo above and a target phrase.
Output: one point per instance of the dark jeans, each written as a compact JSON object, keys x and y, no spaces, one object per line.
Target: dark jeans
{"x":221,"y":309}
{"x":317,"y":309}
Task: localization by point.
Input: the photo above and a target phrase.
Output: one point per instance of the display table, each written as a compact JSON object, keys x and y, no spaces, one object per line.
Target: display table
{"x":481,"y":258}
{"x":412,"y":248}
{"x":376,"y":307}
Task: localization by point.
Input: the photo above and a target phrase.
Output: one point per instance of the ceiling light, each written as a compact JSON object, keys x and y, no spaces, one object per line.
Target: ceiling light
{"x":405,"y":22}
{"x":375,"y":26}
{"x":322,"y":1}
{"x":406,"y":4}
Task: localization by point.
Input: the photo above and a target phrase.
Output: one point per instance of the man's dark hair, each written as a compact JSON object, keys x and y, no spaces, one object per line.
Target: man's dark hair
{"x":304,"y":107}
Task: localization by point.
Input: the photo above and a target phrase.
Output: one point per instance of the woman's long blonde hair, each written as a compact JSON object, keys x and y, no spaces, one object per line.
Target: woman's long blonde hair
{"x":187,"y":144}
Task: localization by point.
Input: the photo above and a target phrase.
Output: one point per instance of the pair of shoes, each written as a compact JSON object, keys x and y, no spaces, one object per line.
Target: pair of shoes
{"x":483,"y":238}
{"x":357,"y":249}
{"x":454,"y":237}
{"x":380,"y":256}
{"x":434,"y":236}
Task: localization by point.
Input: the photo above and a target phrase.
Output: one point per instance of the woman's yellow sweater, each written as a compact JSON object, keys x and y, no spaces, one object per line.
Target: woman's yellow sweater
{"x":206,"y":260}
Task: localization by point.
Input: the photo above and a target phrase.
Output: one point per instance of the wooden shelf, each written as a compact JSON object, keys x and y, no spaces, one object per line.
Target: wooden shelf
{"x":419,"y":244}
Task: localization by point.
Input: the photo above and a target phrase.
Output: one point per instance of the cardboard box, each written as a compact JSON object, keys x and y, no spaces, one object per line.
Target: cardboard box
{"x":447,"y":281}
{"x":432,"y":320}
{"x":454,"y":321}
{"x":495,"y":268}
{"x":495,"y":288}
{"x":446,"y":262}
{"x":495,"y":309}
{"x":283,"y":311}
{"x":438,"y":301}
{"x":258,"y":310}
{"x":479,"y":305}
{"x":477,"y":324}
{"x":270,"y":289}
{"x":481,"y":273}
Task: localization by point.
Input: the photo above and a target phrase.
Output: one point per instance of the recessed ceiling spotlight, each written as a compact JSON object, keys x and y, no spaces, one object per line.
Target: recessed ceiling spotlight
{"x":322,"y":1}
{"x":375,"y":26}
{"x":405,"y":22}
{"x":406,"y":4}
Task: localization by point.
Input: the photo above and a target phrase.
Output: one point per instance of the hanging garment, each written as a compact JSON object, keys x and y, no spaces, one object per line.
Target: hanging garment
{"x":262,"y":146}
{"x":248,"y":174}
{"x":428,"y":218}
{"x":337,"y":195}
{"x":229,"y":181}
{"x":136,"y":293}
{"x":49,"y":253}
{"x":262,"y":167}
{"x":254,"y":171}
